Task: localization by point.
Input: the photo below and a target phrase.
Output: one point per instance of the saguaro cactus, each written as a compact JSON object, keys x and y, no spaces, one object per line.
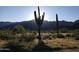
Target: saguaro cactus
{"x":39,"y":20}
{"x":57,"y":25}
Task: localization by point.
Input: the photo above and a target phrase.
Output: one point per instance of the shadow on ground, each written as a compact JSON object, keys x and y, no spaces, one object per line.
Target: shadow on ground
{"x":38,"y":48}
{"x":44,"y":48}
{"x":41,"y":47}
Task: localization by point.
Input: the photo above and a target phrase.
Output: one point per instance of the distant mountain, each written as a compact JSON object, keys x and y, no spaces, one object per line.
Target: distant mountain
{"x":47,"y":25}
{"x":75,"y":24}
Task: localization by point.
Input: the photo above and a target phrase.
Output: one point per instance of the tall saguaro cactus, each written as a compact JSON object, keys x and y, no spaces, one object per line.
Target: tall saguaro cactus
{"x":39,"y":20}
{"x":57,"y":25}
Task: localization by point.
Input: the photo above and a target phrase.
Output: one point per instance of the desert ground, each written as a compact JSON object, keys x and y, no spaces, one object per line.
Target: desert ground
{"x":28,"y":42}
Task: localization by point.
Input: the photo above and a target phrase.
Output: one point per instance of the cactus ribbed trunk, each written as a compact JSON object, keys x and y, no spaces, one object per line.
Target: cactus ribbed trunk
{"x":39,"y":32}
{"x":57,"y":25}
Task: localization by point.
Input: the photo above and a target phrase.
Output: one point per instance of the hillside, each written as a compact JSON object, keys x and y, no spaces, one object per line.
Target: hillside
{"x":47,"y":25}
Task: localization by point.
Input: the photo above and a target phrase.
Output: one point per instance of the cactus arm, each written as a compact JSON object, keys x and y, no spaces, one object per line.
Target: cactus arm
{"x":38,"y":12}
{"x":43,"y":16}
{"x":57,"y":17}
{"x":35,"y":15}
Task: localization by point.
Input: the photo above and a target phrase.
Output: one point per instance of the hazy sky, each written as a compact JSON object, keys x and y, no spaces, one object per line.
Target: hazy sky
{"x":25,"y":13}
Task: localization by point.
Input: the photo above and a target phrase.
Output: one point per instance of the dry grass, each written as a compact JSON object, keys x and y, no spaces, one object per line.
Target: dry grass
{"x":62,"y":43}
{"x":31,"y":44}
{"x":54,"y":43}
{"x":3,"y":43}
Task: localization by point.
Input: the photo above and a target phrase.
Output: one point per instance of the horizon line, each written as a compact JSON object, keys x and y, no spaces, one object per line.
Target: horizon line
{"x":34,"y":20}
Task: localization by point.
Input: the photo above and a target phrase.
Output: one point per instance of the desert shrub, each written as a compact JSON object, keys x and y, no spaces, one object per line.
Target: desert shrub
{"x":68,"y":35}
{"x":54,"y":36}
{"x":50,"y":36}
{"x":63,"y":30}
{"x":44,"y":37}
{"x":18,"y":29}
{"x":7,"y":36}
{"x":77,"y":37}
{"x":51,"y":32}
{"x":75,"y":33}
{"x":61,"y":36}
{"x":34,"y":33}
{"x":13,"y":46}
{"x":27,"y":38}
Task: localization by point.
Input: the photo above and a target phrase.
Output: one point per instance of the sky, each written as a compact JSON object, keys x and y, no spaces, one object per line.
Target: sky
{"x":26,"y":13}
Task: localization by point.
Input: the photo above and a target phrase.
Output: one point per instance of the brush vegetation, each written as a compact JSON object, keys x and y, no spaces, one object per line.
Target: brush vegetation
{"x":23,"y":40}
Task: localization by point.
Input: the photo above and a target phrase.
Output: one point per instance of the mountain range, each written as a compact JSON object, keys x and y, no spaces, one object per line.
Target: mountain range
{"x":47,"y":25}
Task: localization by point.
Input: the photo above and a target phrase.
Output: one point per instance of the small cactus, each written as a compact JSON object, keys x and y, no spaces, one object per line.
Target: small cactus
{"x":39,"y":20}
{"x":57,"y":25}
